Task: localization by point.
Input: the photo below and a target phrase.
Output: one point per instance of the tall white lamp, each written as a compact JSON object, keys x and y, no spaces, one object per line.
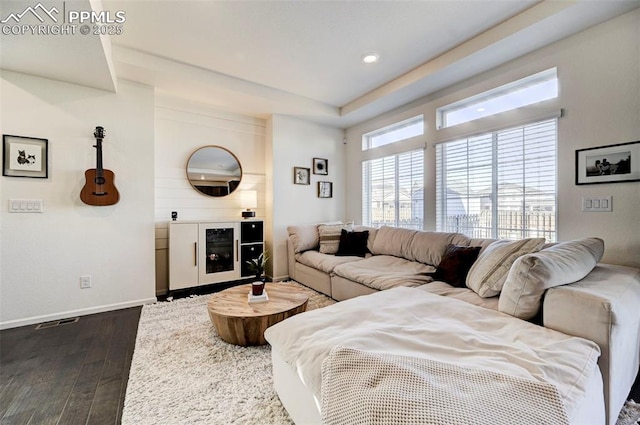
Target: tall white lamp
{"x":248,"y":200}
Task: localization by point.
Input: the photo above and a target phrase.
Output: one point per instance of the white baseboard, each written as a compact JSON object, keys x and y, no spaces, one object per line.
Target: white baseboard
{"x":72,"y":313}
{"x":279,"y":279}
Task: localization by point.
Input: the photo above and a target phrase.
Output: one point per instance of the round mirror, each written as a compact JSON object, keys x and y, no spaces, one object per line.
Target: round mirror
{"x":214,"y":171}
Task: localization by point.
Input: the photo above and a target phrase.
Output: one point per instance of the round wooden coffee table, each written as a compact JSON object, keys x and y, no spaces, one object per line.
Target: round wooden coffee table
{"x":241,"y":323}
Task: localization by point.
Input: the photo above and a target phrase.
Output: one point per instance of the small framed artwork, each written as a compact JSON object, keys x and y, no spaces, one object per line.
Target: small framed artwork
{"x":301,"y":175}
{"x":325,"y":190}
{"x":320,"y":166}
{"x":608,"y":164}
{"x":25,"y":157}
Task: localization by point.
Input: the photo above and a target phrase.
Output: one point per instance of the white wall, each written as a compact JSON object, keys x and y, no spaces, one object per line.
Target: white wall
{"x":181,"y":127}
{"x":292,"y":142}
{"x":599,"y":72}
{"x":43,"y":255}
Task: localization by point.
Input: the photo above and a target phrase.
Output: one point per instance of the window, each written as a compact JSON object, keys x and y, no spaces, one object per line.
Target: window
{"x":527,"y":91}
{"x":394,"y":133}
{"x":499,"y":185}
{"x":393,"y":190}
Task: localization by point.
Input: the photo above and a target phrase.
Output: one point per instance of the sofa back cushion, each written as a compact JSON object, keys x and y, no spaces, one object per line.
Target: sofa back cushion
{"x":393,"y":241}
{"x":488,"y":273}
{"x":429,"y":247}
{"x":532,"y":274}
{"x":303,"y":238}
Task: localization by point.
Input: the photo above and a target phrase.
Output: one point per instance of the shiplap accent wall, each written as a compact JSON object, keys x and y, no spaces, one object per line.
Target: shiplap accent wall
{"x":180,"y":129}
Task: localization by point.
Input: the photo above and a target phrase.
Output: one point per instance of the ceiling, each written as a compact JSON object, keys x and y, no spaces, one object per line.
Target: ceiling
{"x":300,"y":58}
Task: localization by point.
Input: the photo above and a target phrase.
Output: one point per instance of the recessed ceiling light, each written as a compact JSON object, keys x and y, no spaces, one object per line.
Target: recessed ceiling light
{"x":370,"y":57}
{"x":480,"y":110}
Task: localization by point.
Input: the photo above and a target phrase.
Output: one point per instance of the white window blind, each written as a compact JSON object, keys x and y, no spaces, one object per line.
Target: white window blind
{"x":393,"y":190}
{"x":499,"y":185}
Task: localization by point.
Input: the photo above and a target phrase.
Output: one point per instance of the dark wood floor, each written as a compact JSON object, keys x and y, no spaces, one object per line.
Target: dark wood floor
{"x":74,"y":373}
{"x":71,"y":374}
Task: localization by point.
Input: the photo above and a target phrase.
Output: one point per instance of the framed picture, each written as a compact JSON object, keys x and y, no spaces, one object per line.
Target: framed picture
{"x":301,"y":175}
{"x":25,"y":157}
{"x":608,"y":164}
{"x":320,"y":166}
{"x":325,"y":190}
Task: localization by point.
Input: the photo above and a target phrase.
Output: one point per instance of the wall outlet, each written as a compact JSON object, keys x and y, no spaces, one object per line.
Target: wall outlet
{"x":85,"y":281}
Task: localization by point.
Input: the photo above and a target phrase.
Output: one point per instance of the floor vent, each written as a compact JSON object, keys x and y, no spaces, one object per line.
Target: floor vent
{"x":54,"y":323}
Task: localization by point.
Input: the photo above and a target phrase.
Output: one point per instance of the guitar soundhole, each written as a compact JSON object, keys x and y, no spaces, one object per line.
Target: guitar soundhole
{"x":99,"y":180}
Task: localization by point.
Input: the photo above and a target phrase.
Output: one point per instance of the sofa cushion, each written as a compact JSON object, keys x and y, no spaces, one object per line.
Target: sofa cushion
{"x":384,"y":272}
{"x":353,"y":243}
{"x":323,"y":262}
{"x":303,"y":238}
{"x":428,"y":247}
{"x":329,"y":237}
{"x":488,"y":273}
{"x":463,"y":294}
{"x":455,"y":264}
{"x":532,"y":274}
{"x":394,"y":241}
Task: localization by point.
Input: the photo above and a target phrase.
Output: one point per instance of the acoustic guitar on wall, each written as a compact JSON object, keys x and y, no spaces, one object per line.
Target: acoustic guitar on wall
{"x":99,"y":189}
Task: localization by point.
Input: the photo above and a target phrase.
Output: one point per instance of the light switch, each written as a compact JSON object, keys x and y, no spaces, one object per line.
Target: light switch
{"x":599,"y":204}
{"x":25,"y":205}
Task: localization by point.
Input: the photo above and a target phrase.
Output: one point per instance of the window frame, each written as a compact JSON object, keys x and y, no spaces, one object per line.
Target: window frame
{"x":367,"y":138}
{"x":502,"y":91}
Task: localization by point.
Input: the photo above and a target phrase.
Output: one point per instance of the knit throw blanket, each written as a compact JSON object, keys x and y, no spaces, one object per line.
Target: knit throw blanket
{"x":361,"y":387}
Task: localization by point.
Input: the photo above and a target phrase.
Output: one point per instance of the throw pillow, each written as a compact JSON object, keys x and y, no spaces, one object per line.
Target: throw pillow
{"x":532,"y":274}
{"x":488,"y":273}
{"x":455,"y":264}
{"x":329,"y":237}
{"x":353,"y":243}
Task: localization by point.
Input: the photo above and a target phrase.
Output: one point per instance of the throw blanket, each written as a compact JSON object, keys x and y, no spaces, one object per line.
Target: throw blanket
{"x":411,"y":322}
{"x":360,"y":387}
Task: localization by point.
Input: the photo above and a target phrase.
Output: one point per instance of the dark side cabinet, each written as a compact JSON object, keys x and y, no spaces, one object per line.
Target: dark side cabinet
{"x":251,"y":244}
{"x":251,"y":232}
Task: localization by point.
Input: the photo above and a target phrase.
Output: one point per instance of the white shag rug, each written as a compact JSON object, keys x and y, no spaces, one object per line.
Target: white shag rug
{"x":183,"y":373}
{"x":630,"y":414}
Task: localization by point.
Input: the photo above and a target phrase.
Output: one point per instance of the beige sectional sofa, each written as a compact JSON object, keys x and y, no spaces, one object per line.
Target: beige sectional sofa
{"x":559,"y":286}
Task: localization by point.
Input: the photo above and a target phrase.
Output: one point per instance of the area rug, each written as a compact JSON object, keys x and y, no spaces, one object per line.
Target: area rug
{"x":630,"y":414}
{"x":183,"y":373}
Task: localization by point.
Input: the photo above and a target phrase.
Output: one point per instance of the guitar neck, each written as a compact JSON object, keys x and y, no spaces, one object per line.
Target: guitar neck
{"x":99,"y":169}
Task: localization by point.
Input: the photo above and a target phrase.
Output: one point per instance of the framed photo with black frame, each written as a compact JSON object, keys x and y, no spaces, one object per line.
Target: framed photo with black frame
{"x":608,"y":164}
{"x":320,"y":166}
{"x":301,"y":175}
{"x":325,"y":190}
{"x":25,"y":157}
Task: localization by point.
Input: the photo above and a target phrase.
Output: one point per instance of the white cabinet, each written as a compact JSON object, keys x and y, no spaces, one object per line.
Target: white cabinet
{"x":203,"y":253}
{"x":183,"y":255}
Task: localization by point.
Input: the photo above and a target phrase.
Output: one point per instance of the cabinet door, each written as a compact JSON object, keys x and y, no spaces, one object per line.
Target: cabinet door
{"x":219,"y":256}
{"x":251,"y":232}
{"x":183,"y":255}
{"x":249,"y":252}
